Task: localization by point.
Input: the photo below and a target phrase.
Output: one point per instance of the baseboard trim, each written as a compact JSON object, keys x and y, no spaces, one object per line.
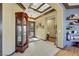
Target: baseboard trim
{"x":11,"y":54}
{"x":41,"y":39}
{"x":62,"y":48}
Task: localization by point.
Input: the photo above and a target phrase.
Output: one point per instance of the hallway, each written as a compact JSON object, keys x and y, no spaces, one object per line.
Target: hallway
{"x":39,"y":48}
{"x":30,"y":14}
{"x":52,"y":21}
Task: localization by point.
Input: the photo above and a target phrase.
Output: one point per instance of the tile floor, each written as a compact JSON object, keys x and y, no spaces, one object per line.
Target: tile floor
{"x":39,"y":48}
{"x":33,"y":39}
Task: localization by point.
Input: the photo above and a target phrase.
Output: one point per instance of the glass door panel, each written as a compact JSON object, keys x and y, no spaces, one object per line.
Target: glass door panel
{"x":24,"y":34}
{"x":19,"y":35}
{"x":24,"y":31}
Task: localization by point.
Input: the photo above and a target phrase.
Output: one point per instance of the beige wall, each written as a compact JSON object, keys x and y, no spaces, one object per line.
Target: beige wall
{"x":41,"y":32}
{"x":60,"y":23}
{"x":9,"y":27}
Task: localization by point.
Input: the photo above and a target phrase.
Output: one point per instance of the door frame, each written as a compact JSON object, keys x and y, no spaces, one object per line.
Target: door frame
{"x":51,"y":18}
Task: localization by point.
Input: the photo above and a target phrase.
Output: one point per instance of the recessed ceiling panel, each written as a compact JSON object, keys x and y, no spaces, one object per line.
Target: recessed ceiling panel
{"x":36,"y":9}
{"x":32,"y":13}
{"x":35,"y":5}
{"x":45,"y":6}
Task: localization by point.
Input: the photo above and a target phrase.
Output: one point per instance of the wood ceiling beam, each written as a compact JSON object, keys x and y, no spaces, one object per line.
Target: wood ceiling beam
{"x":35,"y":10}
{"x":21,"y":6}
{"x":40,"y":6}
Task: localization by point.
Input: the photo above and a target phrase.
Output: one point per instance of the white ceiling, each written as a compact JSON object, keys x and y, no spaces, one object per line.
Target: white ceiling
{"x":73,"y":4}
{"x":32,"y":13}
{"x":36,"y":5}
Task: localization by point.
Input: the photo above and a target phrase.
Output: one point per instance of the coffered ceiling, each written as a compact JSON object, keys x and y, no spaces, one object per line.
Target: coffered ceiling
{"x":36,"y":10}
